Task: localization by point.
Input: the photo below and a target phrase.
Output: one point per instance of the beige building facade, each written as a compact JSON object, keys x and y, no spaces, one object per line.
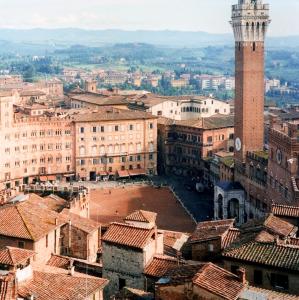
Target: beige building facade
{"x":59,"y":145}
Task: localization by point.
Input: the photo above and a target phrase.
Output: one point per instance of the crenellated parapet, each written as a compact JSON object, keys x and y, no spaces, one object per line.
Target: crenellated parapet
{"x":250,"y":20}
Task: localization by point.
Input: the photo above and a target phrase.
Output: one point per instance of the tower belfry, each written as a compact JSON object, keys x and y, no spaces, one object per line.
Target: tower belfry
{"x":250,"y":21}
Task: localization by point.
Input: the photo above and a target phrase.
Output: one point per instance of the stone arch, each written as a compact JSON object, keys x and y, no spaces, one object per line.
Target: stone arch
{"x":220,"y":206}
{"x":233,"y":209}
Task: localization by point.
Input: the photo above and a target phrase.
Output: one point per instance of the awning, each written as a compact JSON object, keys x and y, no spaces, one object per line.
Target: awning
{"x":51,"y":178}
{"x":123,"y":173}
{"x":111,"y":173}
{"x":137,"y":172}
{"x":103,"y":173}
{"x":43,"y":178}
{"x":69,"y":175}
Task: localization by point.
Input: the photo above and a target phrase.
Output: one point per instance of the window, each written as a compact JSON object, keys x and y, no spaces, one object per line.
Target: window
{"x":210,"y":139}
{"x":151,"y":157}
{"x":82,"y":130}
{"x":94,"y":129}
{"x":131,"y":127}
{"x":258,"y":277}
{"x":280,"y":281}
{"x":234,"y":269}
{"x":121,"y":283}
{"x":116,"y":128}
{"x":47,"y":241}
{"x":151,"y":126}
{"x":102,"y":129}
{"x":21,"y":244}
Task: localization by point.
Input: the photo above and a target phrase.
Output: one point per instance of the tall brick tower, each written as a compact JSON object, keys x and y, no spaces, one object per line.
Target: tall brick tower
{"x":250,"y":20}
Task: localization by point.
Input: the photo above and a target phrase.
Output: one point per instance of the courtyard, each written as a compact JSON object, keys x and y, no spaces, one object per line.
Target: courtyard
{"x":113,"y":204}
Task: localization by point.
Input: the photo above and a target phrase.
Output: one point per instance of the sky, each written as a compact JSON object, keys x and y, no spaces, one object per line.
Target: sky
{"x":185,"y":15}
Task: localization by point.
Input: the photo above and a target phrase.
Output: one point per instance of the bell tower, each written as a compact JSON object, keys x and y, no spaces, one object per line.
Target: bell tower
{"x":250,"y":21}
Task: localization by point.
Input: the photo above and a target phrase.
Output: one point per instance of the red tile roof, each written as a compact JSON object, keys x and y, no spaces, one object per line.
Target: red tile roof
{"x":26,"y":220}
{"x":142,"y":216}
{"x":61,"y":286}
{"x":231,"y":235}
{"x":271,"y":295}
{"x":59,"y":262}
{"x":207,"y":276}
{"x":14,"y":256}
{"x":285,"y":211}
{"x":128,"y":235}
{"x":160,"y":265}
{"x":174,"y":242}
{"x":85,"y":224}
{"x":279,"y":226}
{"x":211,"y":230}
{"x":268,"y":254}
{"x":271,"y":224}
{"x":219,"y":282}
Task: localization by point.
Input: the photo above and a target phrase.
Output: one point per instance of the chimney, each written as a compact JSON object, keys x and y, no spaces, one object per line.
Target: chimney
{"x":72,"y":270}
{"x":241,"y":273}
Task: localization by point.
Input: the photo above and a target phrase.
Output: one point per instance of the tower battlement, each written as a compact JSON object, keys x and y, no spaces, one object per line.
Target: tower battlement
{"x":250,"y":20}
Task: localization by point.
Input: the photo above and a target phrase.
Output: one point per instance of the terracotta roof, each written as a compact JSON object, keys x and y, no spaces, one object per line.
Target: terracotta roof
{"x":293,"y":241}
{"x":61,"y":286}
{"x":28,"y":221}
{"x":59,"y":261}
{"x":211,"y":230}
{"x":127,"y":235}
{"x":27,"y":93}
{"x":219,"y":282}
{"x":214,"y":122}
{"x":99,"y":99}
{"x":279,"y":226}
{"x":160,"y":265}
{"x":52,"y":202}
{"x":85,"y":224}
{"x":231,"y":235}
{"x":14,"y":256}
{"x":111,"y":114}
{"x":174,"y":242}
{"x":205,"y":276}
{"x":268,"y":254}
{"x":272,"y":224}
{"x":268,"y":294}
{"x":285,"y":211}
{"x":142,"y":216}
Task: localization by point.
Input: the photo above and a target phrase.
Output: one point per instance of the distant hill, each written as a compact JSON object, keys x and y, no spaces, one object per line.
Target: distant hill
{"x":55,"y":38}
{"x":100,"y":37}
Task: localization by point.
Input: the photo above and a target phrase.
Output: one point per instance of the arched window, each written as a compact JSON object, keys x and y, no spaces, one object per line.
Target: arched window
{"x":151,"y":147}
{"x":116,"y":149}
{"x":110,"y":149}
{"x":102,"y":150}
{"x":131,"y":148}
{"x":94,"y":150}
{"x":82,"y":150}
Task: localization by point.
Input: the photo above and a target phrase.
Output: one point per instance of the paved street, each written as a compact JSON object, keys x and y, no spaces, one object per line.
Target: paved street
{"x":200,"y":205}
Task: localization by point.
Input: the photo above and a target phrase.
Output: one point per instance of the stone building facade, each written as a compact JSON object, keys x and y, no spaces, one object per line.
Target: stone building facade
{"x":111,"y":141}
{"x":184,"y":145}
{"x":128,"y":248}
{"x":283,"y":173}
{"x":49,"y":146}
